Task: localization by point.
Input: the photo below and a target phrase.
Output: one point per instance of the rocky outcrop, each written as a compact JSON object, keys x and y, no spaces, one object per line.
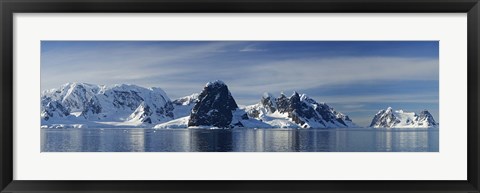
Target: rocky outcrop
{"x":214,"y":107}
{"x":300,"y":109}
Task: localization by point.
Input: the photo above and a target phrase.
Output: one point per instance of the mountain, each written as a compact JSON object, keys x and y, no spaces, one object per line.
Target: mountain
{"x":81,"y":102}
{"x":297,"y":111}
{"x":82,"y":105}
{"x":215,"y":106}
{"x":390,"y":118}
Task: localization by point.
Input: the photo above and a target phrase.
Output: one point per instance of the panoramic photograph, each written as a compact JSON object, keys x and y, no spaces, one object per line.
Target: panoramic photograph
{"x":239,"y":96}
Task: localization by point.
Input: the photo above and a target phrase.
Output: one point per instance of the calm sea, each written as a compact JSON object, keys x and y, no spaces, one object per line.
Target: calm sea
{"x":239,"y":140}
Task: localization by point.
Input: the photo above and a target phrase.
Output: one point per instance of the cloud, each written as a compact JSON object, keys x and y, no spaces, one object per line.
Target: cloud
{"x":298,"y":74}
{"x":183,"y":69}
{"x":122,"y":63}
{"x":353,"y":106}
{"x":252,"y":48}
{"x":382,"y":97}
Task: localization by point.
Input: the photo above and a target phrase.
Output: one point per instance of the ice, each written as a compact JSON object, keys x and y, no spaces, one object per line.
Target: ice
{"x":180,"y":123}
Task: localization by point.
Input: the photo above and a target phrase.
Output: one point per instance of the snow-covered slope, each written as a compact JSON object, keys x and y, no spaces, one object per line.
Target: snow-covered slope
{"x":183,"y":106}
{"x":87,"y":103}
{"x":180,"y":123}
{"x":298,"y":111}
{"x":390,"y":118}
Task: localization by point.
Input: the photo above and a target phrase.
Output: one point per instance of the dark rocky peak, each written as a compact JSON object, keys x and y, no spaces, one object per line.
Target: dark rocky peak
{"x":300,"y":111}
{"x":426,"y":116}
{"x":294,"y":102}
{"x":384,"y":118}
{"x":268,"y":101}
{"x":216,"y":93}
{"x":215,"y":84}
{"x":324,"y":113}
{"x":214,"y":107}
{"x":425,"y":113}
{"x":283,"y":102}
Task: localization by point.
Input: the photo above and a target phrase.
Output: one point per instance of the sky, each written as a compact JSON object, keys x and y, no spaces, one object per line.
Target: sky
{"x":357,"y":78}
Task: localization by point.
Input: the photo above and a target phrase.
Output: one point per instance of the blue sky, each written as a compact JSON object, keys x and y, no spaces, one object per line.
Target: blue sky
{"x":357,"y":78}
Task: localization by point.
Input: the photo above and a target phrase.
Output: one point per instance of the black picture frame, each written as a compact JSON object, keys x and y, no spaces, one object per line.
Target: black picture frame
{"x":9,"y":7}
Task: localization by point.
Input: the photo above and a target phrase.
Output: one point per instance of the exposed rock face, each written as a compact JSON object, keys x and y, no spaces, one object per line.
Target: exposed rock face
{"x":300,"y":109}
{"x":426,"y":118}
{"x":268,"y":101}
{"x":399,"y":119}
{"x":384,"y":118}
{"x":215,"y":106}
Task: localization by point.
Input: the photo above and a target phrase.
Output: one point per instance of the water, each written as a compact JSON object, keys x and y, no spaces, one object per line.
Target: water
{"x":240,"y":140}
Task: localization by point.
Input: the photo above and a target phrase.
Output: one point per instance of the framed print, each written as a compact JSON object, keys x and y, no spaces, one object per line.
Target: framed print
{"x":239,"y":96}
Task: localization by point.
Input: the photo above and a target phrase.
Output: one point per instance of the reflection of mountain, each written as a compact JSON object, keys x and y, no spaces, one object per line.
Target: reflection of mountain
{"x":86,"y":105}
{"x":249,"y":140}
{"x":399,"y":119}
{"x":407,"y":141}
{"x":218,"y":141}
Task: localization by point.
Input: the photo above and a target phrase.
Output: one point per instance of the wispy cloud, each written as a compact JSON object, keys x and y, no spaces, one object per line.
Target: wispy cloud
{"x":311,"y":73}
{"x":252,"y":48}
{"x":353,"y":106}
{"x":390,"y":98}
{"x":118,"y":64}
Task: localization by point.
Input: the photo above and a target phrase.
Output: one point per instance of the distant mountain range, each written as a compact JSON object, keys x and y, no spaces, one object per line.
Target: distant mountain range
{"x":86,"y":105}
{"x":390,"y":118}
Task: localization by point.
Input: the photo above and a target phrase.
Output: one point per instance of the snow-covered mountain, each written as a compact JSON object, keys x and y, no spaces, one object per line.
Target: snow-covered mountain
{"x":81,"y":102}
{"x":216,"y":107}
{"x":297,"y":111}
{"x":390,"y":118}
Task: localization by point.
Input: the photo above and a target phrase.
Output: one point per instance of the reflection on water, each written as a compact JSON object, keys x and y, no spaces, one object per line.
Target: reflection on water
{"x":239,"y":140}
